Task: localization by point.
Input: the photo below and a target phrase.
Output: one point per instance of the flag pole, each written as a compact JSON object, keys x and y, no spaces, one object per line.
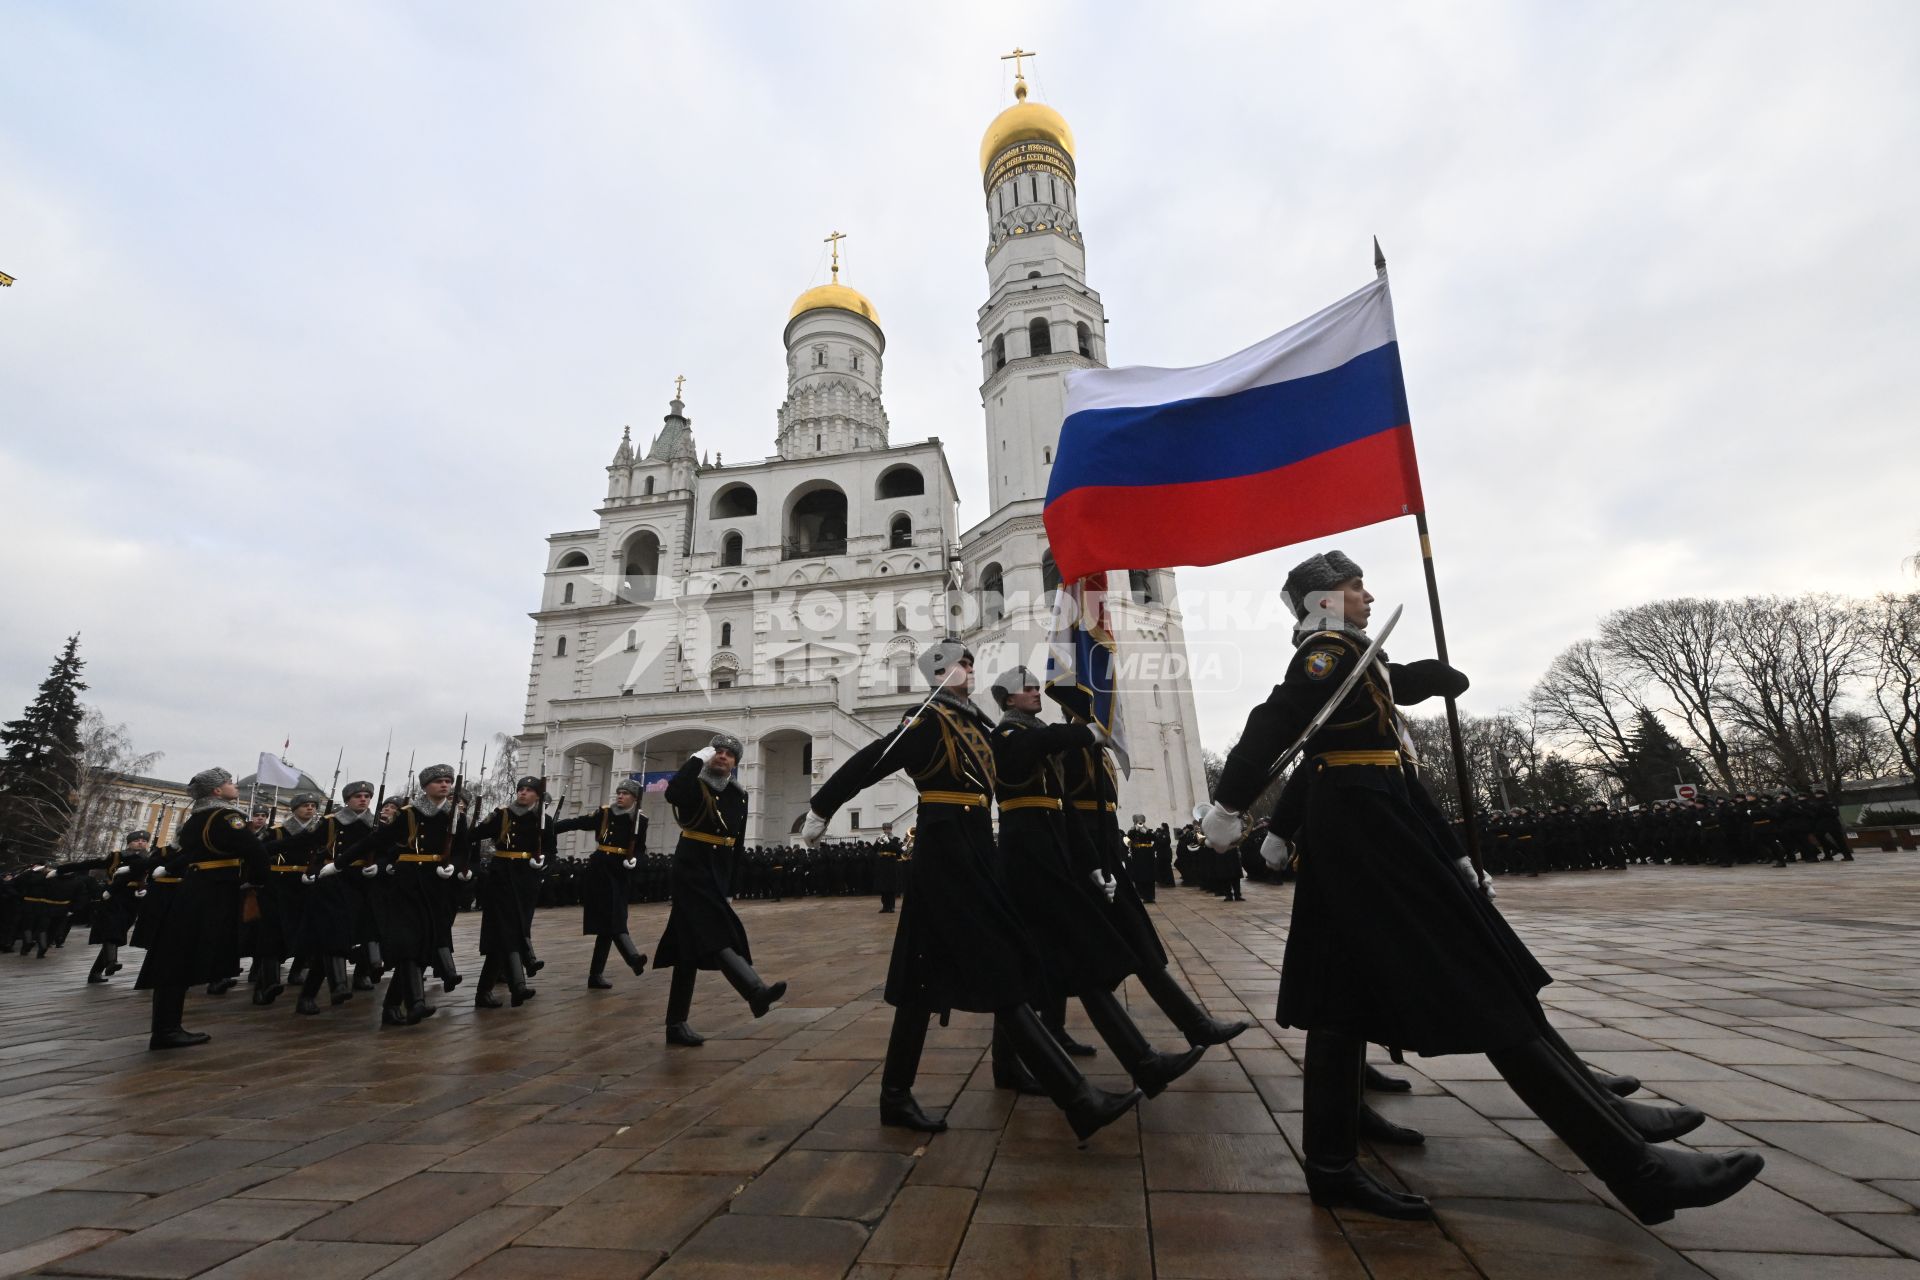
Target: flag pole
{"x":1462,"y":780}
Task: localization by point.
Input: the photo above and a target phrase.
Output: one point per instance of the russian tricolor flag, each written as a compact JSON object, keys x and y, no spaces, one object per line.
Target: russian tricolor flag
{"x":1299,"y":436}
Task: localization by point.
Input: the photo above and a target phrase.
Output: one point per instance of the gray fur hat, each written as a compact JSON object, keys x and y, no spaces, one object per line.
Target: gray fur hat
{"x":728,"y":743}
{"x":207,"y":781}
{"x":138,"y":835}
{"x":1012,"y":681}
{"x":303,"y":797}
{"x":531,"y":783}
{"x":1316,"y":573}
{"x":939,"y":659}
{"x":630,"y":786}
{"x":436,"y":773}
{"x":357,"y":789}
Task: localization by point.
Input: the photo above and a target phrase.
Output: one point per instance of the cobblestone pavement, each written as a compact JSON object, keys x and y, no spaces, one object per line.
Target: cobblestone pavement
{"x":564,"y":1139}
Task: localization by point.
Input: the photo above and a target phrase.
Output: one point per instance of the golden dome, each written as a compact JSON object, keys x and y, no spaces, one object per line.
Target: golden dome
{"x":835,"y":296}
{"x":1024,"y":122}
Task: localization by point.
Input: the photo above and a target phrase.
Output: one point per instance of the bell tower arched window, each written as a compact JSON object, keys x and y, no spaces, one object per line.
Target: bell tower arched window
{"x":560,"y":647}
{"x":730,"y":549}
{"x":648,"y":490}
{"x":1040,"y":337}
{"x":1085,"y":335}
{"x":566,"y":596}
{"x":1000,"y":351}
{"x":900,"y":533}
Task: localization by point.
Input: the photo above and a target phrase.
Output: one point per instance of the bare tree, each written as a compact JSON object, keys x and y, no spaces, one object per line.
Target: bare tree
{"x":1679,"y":646}
{"x":1791,"y":664}
{"x":88,"y":812}
{"x":1893,"y":640}
{"x":1584,"y":699}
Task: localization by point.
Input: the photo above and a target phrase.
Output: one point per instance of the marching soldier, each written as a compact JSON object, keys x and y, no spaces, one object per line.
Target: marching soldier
{"x":959,"y":943}
{"x":620,"y":832}
{"x":702,"y":932}
{"x":278,"y":873}
{"x":510,"y":887}
{"x":1140,"y":859}
{"x":886,"y":868}
{"x":407,"y":858}
{"x":329,"y":893}
{"x":197,"y":937}
{"x":114,"y":913}
{"x":1391,"y":942}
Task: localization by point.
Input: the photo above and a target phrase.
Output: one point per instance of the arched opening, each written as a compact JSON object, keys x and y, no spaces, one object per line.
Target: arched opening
{"x":1000,"y":351}
{"x":993,"y":594}
{"x":640,"y":567}
{"x":648,"y":490}
{"x":566,"y":596}
{"x":1140,"y":585}
{"x":573,"y":560}
{"x":1085,"y":336}
{"x":633,"y":639}
{"x":732,"y":547}
{"x":560,"y":647}
{"x":817,"y":523}
{"x":900,"y":532}
{"x":726,"y":635}
{"x":1049,"y":576}
{"x":903,"y":673}
{"x":734,"y":501}
{"x":900,"y":619}
{"x":1039,"y":337}
{"x":900,"y":482}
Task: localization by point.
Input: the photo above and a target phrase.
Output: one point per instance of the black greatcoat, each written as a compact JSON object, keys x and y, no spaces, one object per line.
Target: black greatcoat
{"x":1093,"y":826}
{"x":113,"y":918}
{"x":279,"y":870}
{"x":713,"y":825}
{"x":327,"y":907}
{"x":408,"y":897}
{"x":196,"y":938}
{"x":618,"y":835}
{"x":1389,"y":943}
{"x":959,"y":943}
{"x":511,"y":886}
{"x":1065,"y":916}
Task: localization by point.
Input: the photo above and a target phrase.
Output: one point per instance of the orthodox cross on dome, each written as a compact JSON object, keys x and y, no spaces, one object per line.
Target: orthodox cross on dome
{"x":834,"y":239}
{"x":1019,"y":76}
{"x":679,"y":384}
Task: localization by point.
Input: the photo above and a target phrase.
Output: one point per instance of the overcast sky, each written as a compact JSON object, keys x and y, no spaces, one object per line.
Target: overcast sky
{"x":327,"y":315}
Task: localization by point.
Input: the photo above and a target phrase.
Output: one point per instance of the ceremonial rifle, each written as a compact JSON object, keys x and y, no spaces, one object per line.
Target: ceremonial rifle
{"x":382,"y":797}
{"x":341,"y":755}
{"x":459,"y":781}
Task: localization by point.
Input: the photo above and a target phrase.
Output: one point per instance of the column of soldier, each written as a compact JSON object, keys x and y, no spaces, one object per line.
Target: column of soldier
{"x":1711,"y":830}
{"x":1394,"y":937}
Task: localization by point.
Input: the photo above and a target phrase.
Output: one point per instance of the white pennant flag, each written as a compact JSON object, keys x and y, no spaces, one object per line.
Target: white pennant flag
{"x":275,"y":772}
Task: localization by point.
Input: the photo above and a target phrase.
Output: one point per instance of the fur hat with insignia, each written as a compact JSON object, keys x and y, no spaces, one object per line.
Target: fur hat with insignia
{"x":728,"y":743}
{"x":1012,"y":681}
{"x":207,"y":781}
{"x":629,"y":786}
{"x":940,"y":659}
{"x":138,"y":835}
{"x":1316,"y":573}
{"x":436,"y":773}
{"x":303,"y":797}
{"x":530,"y":783}
{"x":357,"y":789}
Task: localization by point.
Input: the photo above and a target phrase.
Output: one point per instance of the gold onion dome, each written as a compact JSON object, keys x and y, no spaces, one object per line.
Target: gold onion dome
{"x":1024,"y":122}
{"x":834,"y":297}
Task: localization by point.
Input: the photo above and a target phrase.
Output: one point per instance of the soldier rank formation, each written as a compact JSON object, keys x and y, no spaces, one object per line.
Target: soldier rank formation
{"x":1394,"y":939}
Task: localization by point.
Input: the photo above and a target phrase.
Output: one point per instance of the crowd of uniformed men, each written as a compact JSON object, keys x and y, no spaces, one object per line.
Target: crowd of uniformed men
{"x":1716,"y":830}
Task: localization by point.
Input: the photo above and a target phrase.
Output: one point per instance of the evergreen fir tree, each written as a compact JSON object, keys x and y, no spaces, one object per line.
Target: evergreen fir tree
{"x":1656,"y":761}
{"x":40,"y":768}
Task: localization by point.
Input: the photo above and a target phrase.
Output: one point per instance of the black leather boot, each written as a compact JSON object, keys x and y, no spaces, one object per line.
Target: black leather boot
{"x":1198,"y":1026}
{"x":339,"y":990}
{"x":740,"y":975}
{"x":376,"y":963}
{"x":1008,"y":1073}
{"x":684,"y":1036}
{"x":1380,"y":1082}
{"x":899,"y":1109}
{"x":1618,"y":1086}
{"x":1053,"y":1017}
{"x":1375,"y":1127}
{"x":517,"y":986}
{"x":306,"y":1004}
{"x":169,"y":1005}
{"x":267,"y":985}
{"x":1330,"y":1133}
{"x":483,"y":997}
{"x":1658,"y":1124}
{"x":534,"y":964}
{"x":1652,"y":1182}
{"x":418,"y":1010}
{"x":1152,"y":1071}
{"x":98,"y":973}
{"x":596,"y":971}
{"x":1088,"y":1109}
{"x":680,"y":1005}
{"x":221,"y":986}
{"x":449,"y":971}
{"x":636,"y":959}
{"x":113,"y":958}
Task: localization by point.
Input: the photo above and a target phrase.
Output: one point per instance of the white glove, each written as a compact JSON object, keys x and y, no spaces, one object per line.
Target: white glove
{"x":371,"y":869}
{"x":306,"y":877}
{"x":1274,"y":851}
{"x":812,"y":829}
{"x":1101,"y":738}
{"x":1222,"y":827}
{"x":104,"y":896}
{"x":326,"y":871}
{"x":156,"y":871}
{"x":539,"y":863}
{"x":1486,"y":884}
{"x":629,"y":863}
{"x":1464,"y":866}
{"x":1106,"y":884}
{"x":444,"y":871}
{"x":466,"y":875}
{"x":139,"y":893}
{"x":123,"y":871}
{"x":391,"y":867}
{"x":704,"y":755}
